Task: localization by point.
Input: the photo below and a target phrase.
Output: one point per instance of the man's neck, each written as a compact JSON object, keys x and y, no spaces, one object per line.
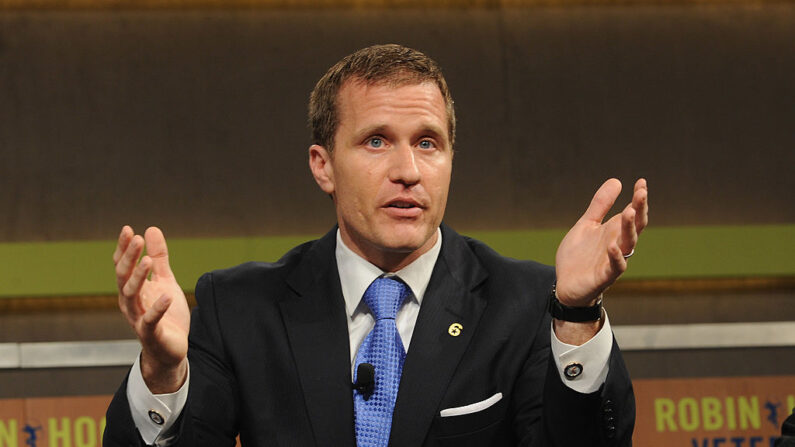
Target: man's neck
{"x":386,"y":260}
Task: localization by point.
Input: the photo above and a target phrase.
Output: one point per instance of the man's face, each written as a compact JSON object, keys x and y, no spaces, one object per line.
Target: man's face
{"x":389,"y":173}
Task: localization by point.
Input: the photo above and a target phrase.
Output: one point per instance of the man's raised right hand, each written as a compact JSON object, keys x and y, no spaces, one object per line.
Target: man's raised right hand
{"x":155,"y":307}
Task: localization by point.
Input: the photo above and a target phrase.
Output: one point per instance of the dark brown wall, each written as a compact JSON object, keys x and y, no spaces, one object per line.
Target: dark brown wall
{"x":194,"y":120}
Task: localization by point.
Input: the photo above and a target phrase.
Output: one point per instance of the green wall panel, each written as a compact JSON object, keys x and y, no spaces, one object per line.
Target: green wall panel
{"x":85,"y":268}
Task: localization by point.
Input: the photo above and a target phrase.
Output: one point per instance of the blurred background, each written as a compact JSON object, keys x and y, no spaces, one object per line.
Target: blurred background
{"x":190,"y":115}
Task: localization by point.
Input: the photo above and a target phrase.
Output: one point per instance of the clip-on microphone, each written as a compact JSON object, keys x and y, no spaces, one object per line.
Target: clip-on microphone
{"x":365,"y":379}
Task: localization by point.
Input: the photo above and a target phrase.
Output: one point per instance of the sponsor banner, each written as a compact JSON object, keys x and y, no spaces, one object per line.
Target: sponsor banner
{"x":712,"y":412}
{"x":53,"y":422}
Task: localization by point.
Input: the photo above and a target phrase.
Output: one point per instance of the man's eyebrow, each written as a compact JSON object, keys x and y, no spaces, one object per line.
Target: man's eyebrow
{"x":426,"y":130}
{"x":433,"y":130}
{"x":371,"y":130}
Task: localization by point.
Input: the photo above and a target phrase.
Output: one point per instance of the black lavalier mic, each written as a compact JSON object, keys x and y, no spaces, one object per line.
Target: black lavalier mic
{"x":365,"y":379}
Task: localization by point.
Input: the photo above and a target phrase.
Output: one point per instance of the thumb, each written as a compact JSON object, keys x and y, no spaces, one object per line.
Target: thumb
{"x":155,"y":312}
{"x":157,"y":249}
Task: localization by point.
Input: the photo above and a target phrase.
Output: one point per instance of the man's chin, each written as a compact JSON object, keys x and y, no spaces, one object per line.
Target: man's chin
{"x":400,"y":249}
{"x":407,"y":242}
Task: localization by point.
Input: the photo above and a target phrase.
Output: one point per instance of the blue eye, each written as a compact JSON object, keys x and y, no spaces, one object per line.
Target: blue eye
{"x":376,"y":142}
{"x":425,"y":144}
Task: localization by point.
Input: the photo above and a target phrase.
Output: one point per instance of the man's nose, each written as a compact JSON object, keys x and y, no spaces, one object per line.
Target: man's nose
{"x":404,"y":167}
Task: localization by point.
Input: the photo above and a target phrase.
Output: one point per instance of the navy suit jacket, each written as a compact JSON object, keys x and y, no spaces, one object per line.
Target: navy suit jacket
{"x":270,"y":360}
{"x":787,"y":432}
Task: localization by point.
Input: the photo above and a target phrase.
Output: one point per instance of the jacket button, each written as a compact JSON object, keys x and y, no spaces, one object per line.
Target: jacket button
{"x":608,"y":415}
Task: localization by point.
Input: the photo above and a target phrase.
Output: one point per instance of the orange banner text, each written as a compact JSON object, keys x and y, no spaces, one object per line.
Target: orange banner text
{"x":712,"y":412}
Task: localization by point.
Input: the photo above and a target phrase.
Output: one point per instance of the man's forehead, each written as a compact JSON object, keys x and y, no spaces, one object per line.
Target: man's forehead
{"x":356,"y":95}
{"x":355,"y":85}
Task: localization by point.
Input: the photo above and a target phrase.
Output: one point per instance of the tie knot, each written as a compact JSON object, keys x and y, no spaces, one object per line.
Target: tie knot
{"x":384,"y":296}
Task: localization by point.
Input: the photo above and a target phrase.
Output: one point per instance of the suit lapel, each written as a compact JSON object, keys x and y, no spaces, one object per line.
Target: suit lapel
{"x":435,"y":351}
{"x":316,"y":325}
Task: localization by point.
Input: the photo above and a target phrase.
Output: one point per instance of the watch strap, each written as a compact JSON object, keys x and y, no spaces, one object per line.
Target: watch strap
{"x":574,"y":314}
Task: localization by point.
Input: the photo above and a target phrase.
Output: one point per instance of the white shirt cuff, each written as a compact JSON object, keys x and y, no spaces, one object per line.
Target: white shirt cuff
{"x":144,"y":405}
{"x":593,"y":355}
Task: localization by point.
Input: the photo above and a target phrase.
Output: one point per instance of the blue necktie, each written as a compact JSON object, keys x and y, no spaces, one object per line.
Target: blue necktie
{"x":383,"y":349}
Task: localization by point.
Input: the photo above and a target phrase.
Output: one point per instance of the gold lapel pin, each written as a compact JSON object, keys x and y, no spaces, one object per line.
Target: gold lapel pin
{"x":455,"y":329}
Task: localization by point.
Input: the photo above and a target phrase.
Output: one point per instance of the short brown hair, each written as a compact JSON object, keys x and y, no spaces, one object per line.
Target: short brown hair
{"x":392,"y":64}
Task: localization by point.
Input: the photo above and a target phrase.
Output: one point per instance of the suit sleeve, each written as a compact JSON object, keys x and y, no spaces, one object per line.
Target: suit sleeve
{"x":210,"y":416}
{"x":787,"y":433}
{"x":603,"y":418}
{"x":561,"y":416}
{"x":120,"y":428}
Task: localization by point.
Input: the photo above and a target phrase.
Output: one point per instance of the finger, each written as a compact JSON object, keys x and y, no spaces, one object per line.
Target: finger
{"x":602,"y":201}
{"x":124,"y":267}
{"x":628,"y":237}
{"x":125,"y":237}
{"x":130,"y":299}
{"x":640,"y":201}
{"x":618,"y":264}
{"x":157,"y":249}
{"x":133,"y":285}
{"x":156,"y":312}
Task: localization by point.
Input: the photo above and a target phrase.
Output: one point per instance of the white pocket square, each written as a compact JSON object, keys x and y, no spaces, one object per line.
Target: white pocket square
{"x":471,"y":408}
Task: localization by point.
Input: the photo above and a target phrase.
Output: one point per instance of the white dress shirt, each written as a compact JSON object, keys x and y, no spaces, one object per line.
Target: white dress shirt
{"x":356,"y":274}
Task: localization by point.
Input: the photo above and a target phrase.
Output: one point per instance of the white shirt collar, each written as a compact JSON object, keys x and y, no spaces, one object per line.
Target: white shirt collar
{"x":356,"y":273}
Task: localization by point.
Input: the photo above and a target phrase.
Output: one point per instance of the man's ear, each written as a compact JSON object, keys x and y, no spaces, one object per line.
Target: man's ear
{"x":321,"y":167}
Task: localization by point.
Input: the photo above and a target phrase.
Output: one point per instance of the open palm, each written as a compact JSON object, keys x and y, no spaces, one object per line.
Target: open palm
{"x":592,"y":254}
{"x":155,"y":305}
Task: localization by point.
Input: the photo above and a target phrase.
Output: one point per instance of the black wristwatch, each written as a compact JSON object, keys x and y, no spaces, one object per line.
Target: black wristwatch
{"x":574,"y":314}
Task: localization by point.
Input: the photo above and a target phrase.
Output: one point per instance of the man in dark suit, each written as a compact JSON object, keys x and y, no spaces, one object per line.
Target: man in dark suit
{"x":787,"y":432}
{"x":274,"y":348}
